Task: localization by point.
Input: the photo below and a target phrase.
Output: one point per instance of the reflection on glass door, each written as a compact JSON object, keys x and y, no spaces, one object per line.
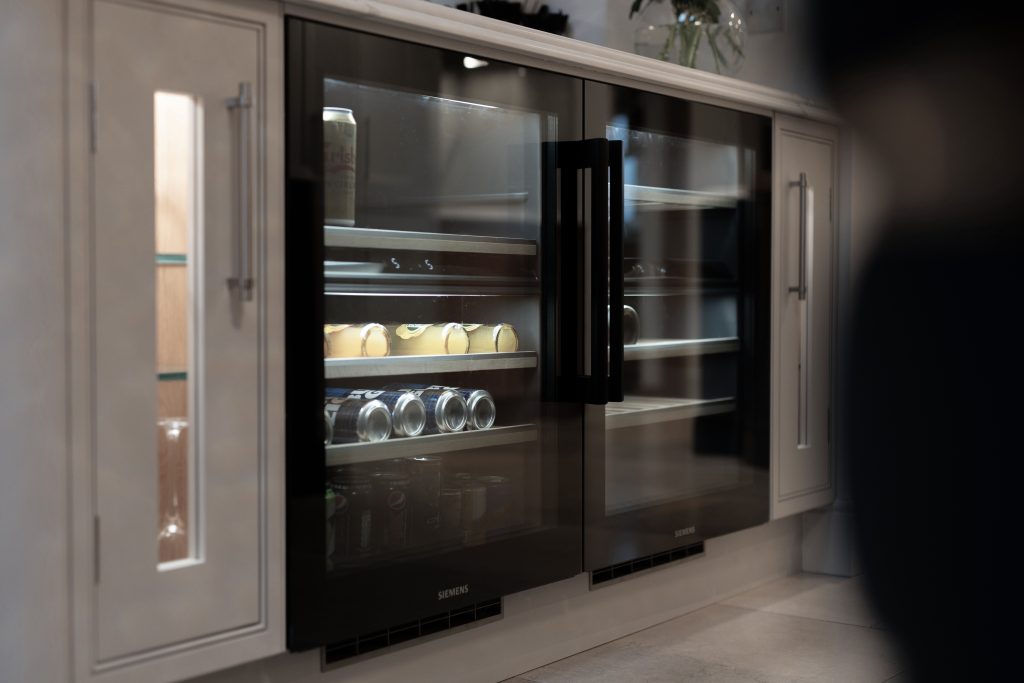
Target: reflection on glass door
{"x":685,"y":453}
{"x":680,"y":320}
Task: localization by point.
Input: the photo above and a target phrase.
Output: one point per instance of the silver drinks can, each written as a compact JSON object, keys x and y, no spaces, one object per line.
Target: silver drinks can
{"x":479,"y":402}
{"x":339,"y":166}
{"x":356,"y":420}
{"x":408,"y":414}
{"x":446,"y":410}
{"x":328,"y":429}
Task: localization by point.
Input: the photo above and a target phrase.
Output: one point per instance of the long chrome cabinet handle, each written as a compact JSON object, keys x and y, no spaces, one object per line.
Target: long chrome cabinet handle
{"x":242,"y":282}
{"x":801,"y":289}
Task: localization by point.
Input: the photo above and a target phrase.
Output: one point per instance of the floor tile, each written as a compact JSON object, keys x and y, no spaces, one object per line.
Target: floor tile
{"x":814,"y":596}
{"x":723,"y":643}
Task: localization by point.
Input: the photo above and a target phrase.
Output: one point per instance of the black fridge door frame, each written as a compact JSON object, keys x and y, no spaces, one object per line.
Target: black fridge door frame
{"x":613,"y":539}
{"x":322,"y":610}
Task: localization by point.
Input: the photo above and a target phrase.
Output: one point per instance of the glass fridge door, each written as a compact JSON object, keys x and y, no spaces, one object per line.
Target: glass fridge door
{"x":427,"y":476}
{"x":685,"y":455}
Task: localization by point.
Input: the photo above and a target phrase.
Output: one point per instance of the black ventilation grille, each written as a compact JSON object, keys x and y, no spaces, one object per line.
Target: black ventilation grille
{"x":401,"y":633}
{"x":617,"y":571}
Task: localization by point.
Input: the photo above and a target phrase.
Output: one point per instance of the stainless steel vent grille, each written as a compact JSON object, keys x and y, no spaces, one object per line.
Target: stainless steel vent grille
{"x":639,"y":564}
{"x":377,"y":641}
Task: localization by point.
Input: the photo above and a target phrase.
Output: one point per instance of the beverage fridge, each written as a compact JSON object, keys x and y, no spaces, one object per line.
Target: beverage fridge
{"x":525,"y":337}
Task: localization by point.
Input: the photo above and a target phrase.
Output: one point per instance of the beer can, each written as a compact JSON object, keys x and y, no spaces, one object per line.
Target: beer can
{"x":428,"y":340}
{"x":474,"y":510}
{"x":408,"y":414}
{"x":328,"y":429}
{"x":353,"y":515}
{"x":356,"y":340}
{"x":450,"y":514}
{"x":424,"y":492}
{"x":498,"y":498}
{"x":479,"y":403}
{"x":499,"y":338}
{"x":390,"y":510}
{"x":446,"y":410}
{"x":339,"y":166}
{"x":356,"y":420}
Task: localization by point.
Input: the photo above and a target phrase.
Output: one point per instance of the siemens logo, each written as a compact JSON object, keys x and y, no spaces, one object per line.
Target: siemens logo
{"x":685,"y":532}
{"x":452,"y":592}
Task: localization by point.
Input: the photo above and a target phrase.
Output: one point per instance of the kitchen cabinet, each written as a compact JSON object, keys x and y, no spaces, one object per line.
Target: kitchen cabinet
{"x":182,"y":495}
{"x":805,"y":181}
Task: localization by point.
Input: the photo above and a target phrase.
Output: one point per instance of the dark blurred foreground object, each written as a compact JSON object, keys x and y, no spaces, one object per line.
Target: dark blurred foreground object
{"x":530,"y":16}
{"x":932,"y":380}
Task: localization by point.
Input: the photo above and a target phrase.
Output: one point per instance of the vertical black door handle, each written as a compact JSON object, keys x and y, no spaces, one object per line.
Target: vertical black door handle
{"x":597,"y":162}
{"x":616,"y":209}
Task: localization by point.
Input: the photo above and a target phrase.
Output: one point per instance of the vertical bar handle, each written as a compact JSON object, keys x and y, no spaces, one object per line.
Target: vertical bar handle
{"x":616,"y":209}
{"x":242,"y":282}
{"x":597,"y":161}
{"x":801,"y":289}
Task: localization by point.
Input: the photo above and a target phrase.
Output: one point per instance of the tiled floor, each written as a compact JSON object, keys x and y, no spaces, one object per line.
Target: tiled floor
{"x":801,"y":628}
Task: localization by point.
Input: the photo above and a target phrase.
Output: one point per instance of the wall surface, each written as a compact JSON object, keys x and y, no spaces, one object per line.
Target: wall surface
{"x":548,"y":623}
{"x":34,"y":599}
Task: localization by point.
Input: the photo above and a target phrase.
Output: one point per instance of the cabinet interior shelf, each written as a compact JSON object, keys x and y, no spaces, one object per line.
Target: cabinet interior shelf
{"x":636,"y":411}
{"x":668,"y":198}
{"x":407,"y":240}
{"x":353,"y":453}
{"x":171,"y":375}
{"x":338,"y":368}
{"x":172,"y":259}
{"x":649,"y":349}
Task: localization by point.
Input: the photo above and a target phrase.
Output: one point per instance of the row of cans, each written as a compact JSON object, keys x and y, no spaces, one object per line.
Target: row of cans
{"x":350,"y":340}
{"x":403,"y":410}
{"x":409,"y":504}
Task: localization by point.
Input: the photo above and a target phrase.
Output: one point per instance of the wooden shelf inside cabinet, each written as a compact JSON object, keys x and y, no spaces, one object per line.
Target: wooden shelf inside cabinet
{"x":406,"y":240}
{"x":641,"y":410}
{"x":338,"y":368}
{"x":353,"y":453}
{"x":650,"y":349}
{"x":667,"y":198}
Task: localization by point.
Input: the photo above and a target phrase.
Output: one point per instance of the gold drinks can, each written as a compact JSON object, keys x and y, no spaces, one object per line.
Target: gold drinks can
{"x":355,"y":341}
{"x":339,"y":166}
{"x":492,"y":338}
{"x":428,"y":340}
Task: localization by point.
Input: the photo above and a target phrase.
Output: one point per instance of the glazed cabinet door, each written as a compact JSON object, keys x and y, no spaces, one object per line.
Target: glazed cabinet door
{"x":803,"y":312}
{"x":186,"y":229}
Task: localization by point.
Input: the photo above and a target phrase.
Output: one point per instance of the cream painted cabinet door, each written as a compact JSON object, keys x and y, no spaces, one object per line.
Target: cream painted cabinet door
{"x":182,"y":222}
{"x":803,"y":314}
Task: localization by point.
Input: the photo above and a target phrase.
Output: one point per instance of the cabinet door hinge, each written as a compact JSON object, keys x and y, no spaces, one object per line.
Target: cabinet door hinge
{"x":92,"y":118}
{"x":96,"y":548}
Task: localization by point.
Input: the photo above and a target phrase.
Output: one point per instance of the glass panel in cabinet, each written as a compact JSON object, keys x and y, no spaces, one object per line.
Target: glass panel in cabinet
{"x":433,"y":427}
{"x":675,"y":436}
{"x":177,"y":161}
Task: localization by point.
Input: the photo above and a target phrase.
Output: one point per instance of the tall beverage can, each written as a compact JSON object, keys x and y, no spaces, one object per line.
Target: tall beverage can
{"x":356,"y":420}
{"x":447,"y":411}
{"x":353,"y":515}
{"x":424,"y":492}
{"x":498,"y":499}
{"x":390,"y":510}
{"x":479,"y":402}
{"x":339,"y":166}
{"x":408,"y":414}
